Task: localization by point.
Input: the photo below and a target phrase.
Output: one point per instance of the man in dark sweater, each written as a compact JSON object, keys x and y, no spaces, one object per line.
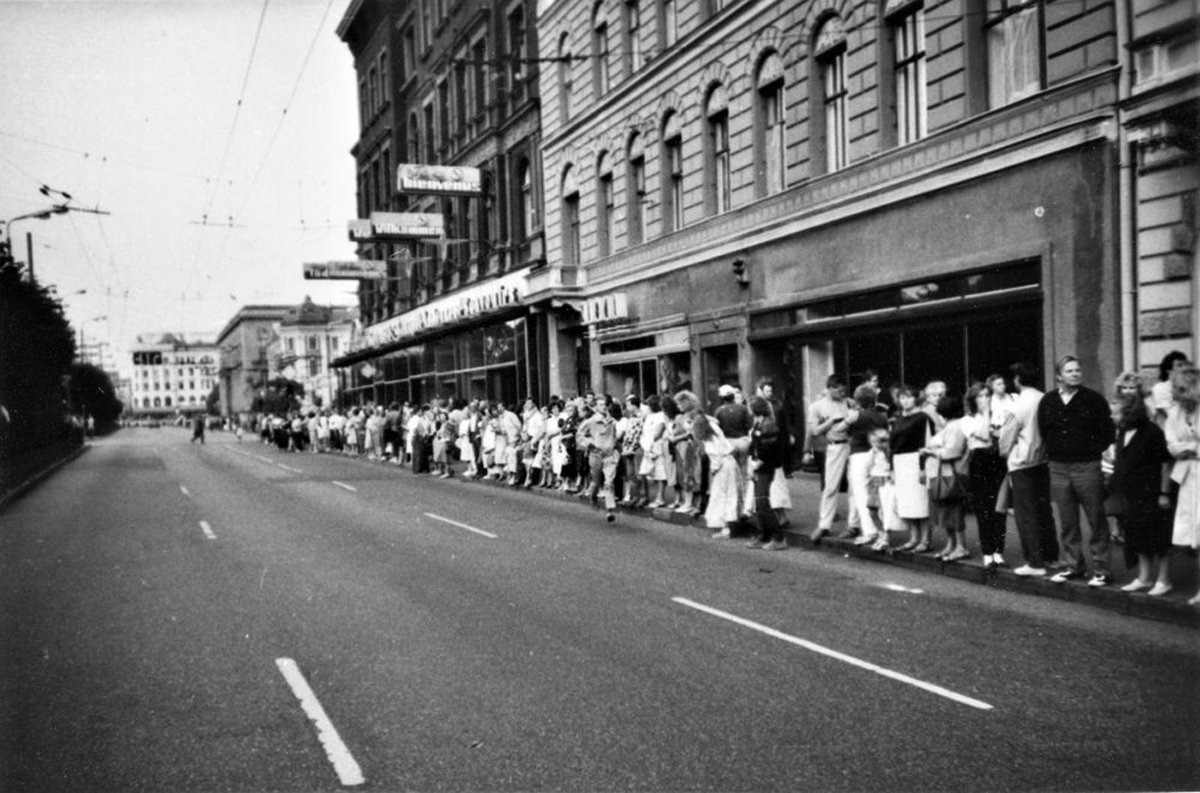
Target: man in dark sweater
{"x":1077,"y":427}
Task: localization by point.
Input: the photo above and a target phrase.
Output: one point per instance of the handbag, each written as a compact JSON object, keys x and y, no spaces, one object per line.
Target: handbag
{"x":948,"y":484}
{"x":889,"y":516}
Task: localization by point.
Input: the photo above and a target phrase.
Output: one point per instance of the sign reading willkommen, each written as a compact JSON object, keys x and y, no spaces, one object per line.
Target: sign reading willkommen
{"x":359,"y":269}
{"x":383,"y":226}
{"x":438,"y":180}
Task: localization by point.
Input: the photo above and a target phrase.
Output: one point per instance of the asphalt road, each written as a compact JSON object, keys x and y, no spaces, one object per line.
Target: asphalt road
{"x":230,"y":617}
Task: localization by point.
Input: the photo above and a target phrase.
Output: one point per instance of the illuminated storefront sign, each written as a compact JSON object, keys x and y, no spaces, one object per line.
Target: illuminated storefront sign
{"x":476,"y":301}
{"x":438,"y":180}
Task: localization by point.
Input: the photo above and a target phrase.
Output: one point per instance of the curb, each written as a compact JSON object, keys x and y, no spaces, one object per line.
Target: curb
{"x":14,"y":493}
{"x":1137,"y":605}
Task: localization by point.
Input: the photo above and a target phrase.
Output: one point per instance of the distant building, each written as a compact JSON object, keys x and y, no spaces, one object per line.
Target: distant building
{"x":244,"y":361}
{"x":305,"y":343}
{"x":171,"y":375}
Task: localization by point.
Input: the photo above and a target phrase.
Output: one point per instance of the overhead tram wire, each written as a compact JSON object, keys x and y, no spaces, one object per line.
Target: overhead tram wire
{"x":229,"y":139}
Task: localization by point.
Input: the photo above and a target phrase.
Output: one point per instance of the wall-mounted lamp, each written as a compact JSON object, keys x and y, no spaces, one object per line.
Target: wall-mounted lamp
{"x":740,"y":273}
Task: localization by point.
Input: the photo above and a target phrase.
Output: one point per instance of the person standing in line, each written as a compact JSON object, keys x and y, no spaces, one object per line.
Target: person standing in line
{"x":781,"y":498}
{"x":631,"y":452}
{"x":911,"y":430}
{"x":1183,"y":442}
{"x":1139,"y":487}
{"x":599,"y":434}
{"x":721,"y":510}
{"x":935,"y":391}
{"x":735,"y":421}
{"x":1029,"y":475}
{"x":652,"y":468}
{"x":766,"y":456}
{"x":827,"y":426}
{"x":1162,"y":392}
{"x":862,"y":420}
{"x":1076,"y":425}
{"x":987,"y":471}
{"x":946,"y":454}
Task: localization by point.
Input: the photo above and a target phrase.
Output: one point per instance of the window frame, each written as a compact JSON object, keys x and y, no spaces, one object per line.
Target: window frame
{"x":1002,"y":21}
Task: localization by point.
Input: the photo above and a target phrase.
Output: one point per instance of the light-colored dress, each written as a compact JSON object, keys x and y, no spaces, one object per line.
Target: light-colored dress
{"x":1183,"y":433}
{"x":724,"y":473}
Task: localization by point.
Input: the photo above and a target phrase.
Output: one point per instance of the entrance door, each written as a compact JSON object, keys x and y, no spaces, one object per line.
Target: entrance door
{"x":720,"y":368}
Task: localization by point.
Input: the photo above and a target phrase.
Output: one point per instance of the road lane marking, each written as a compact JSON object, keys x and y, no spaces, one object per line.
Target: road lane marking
{"x":849,"y":659}
{"x":208,"y":532}
{"x":264,"y":459}
{"x":345,"y":486}
{"x":901,"y":588}
{"x":184,"y":490}
{"x":461,"y":525}
{"x":289,"y":468}
{"x":337,"y":752}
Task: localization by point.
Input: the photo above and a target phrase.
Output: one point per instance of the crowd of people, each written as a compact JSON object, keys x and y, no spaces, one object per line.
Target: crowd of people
{"x":913,"y":462}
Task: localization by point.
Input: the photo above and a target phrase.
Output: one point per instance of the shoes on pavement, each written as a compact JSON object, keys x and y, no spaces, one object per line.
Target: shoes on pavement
{"x":723,"y":534}
{"x":756,"y":544}
{"x":1025,"y":571}
{"x":865,"y":539}
{"x":610,"y":516}
{"x":881,"y":545}
{"x":1194,"y":600}
{"x":1063,"y":576}
{"x":1159,"y":590}
{"x":654,"y":504}
{"x":955,"y":556}
{"x":921,"y":548}
{"x":848,"y":534}
{"x":908,"y":546}
{"x":818,"y":533}
{"x":777,"y":545}
{"x":1136,"y":585}
{"x":1099,"y":580}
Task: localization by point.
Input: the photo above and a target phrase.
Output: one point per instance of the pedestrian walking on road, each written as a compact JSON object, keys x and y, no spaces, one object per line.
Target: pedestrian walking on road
{"x":599,"y":434}
{"x":197,"y":429}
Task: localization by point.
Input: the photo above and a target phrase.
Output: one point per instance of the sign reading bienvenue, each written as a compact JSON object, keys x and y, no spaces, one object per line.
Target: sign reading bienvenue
{"x":359,"y":269}
{"x":397,"y":226}
{"x":477,"y":301}
{"x":438,"y":180}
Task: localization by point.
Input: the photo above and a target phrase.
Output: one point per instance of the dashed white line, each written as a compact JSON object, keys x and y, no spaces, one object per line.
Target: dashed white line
{"x":849,"y":659}
{"x":208,"y":532}
{"x":289,"y":468}
{"x":345,"y":486}
{"x":184,"y":490}
{"x":901,"y":588}
{"x":264,"y":459}
{"x":344,"y":763}
{"x":461,"y":525}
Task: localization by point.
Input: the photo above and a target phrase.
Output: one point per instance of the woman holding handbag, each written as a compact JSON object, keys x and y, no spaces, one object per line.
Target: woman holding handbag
{"x":946,"y":466}
{"x":987,"y":473}
{"x":910,"y":431}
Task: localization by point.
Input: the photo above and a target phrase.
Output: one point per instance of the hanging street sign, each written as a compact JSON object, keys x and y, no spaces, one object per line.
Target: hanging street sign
{"x":357,"y":270}
{"x":438,"y":180}
{"x":385,"y":226}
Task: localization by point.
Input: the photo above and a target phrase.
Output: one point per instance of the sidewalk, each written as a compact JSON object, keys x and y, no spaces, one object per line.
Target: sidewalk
{"x":805,"y":494}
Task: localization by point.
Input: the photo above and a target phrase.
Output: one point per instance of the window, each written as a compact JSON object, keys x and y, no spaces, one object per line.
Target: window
{"x":430,"y":143}
{"x":668,"y":22}
{"x":636,"y":191}
{"x":517,"y":55}
{"x":333,"y":344}
{"x":314,"y":367}
{"x":672,"y":174}
{"x":373,"y":89}
{"x":600,"y":77}
{"x":633,"y":35}
{"x":527,"y":209}
{"x":443,"y":94}
{"x":908,"y":36}
{"x":570,"y":214}
{"x":291,"y":344}
{"x":564,"y":77}
{"x":1014,"y":46}
{"x":604,"y":204}
{"x":414,"y":139}
{"x":461,"y":108}
{"x":771,"y":176}
{"x":830,"y":48}
{"x":384,"y":87}
{"x":409,"y":56}
{"x":364,"y":107}
{"x":479,"y":56}
{"x":716,"y":113}
{"x":386,"y":178}
{"x":426,"y":23}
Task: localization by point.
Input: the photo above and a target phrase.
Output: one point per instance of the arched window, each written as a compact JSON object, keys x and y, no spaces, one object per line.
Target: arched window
{"x":570,"y":217}
{"x":829,"y":96}
{"x":600,"y":74}
{"x":718,"y":192}
{"x":671,"y":169}
{"x":770,"y":138}
{"x":604,"y":204}
{"x":564,"y":77}
{"x":635,"y":190}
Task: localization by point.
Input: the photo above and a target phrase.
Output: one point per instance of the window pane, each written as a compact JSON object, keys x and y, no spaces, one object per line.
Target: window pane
{"x":1014,"y":57}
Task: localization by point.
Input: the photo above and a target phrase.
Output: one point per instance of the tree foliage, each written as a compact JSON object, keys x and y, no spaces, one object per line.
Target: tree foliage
{"x":93,"y":394}
{"x":37,"y":347}
{"x":282,"y":396}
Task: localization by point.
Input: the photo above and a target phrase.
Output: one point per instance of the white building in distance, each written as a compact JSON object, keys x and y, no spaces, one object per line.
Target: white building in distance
{"x":172,"y":375}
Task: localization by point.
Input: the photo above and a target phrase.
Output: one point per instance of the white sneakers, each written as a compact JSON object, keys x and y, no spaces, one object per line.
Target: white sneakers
{"x":1025,"y":571}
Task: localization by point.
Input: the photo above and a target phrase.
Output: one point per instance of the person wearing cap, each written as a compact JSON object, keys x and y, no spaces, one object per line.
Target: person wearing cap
{"x":736,"y":422}
{"x":828,"y":426}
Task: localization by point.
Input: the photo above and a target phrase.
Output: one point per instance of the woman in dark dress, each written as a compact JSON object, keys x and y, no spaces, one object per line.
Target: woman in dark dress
{"x":766,"y":455}
{"x":1137,"y":492}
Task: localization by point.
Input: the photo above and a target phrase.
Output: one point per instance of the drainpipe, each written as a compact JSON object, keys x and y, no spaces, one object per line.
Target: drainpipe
{"x":1126,"y":205}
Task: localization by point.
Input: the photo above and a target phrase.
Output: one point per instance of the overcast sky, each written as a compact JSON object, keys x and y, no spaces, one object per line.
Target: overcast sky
{"x":133,"y":108}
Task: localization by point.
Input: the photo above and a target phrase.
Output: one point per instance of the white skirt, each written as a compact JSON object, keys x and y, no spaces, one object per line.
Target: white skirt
{"x":912,"y":497}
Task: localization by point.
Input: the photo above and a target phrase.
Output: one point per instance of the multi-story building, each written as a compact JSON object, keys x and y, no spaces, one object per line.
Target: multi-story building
{"x":477,"y":311}
{"x":244,"y":362}
{"x":306,"y":342}
{"x":172,"y":375}
{"x":1160,"y":179}
{"x":931,"y":190}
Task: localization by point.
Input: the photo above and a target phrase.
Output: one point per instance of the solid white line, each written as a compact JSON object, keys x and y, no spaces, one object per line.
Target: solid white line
{"x":345,"y":486}
{"x":461,"y":525}
{"x":849,"y":659}
{"x":343,"y":762}
{"x":208,"y":532}
{"x":184,"y":490}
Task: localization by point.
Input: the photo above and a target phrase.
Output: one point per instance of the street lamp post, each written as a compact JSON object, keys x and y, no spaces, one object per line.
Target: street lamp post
{"x":41,"y":214}
{"x":82,"y":351}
